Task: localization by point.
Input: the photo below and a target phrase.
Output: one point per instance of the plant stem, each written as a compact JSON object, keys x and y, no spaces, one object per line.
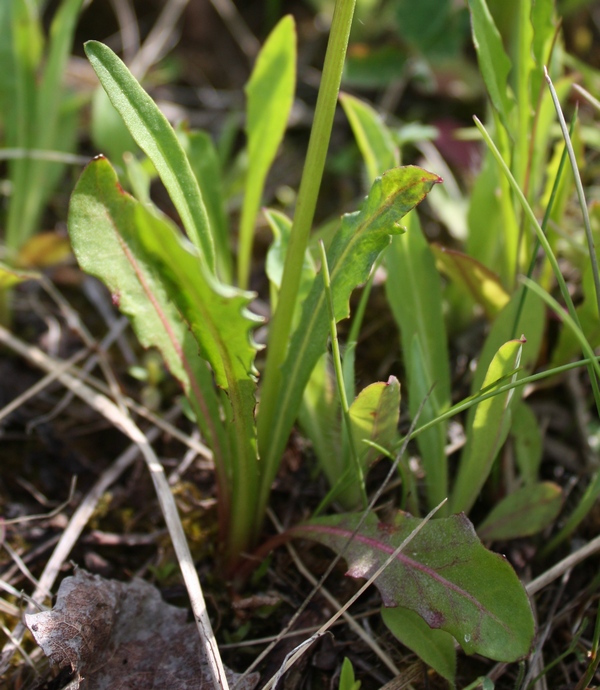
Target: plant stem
{"x":280,"y":327}
{"x":359,"y":477}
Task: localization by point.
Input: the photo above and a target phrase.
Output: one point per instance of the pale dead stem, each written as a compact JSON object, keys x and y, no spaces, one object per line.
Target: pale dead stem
{"x":360,"y":632}
{"x":167,"y":503}
{"x":299,"y":651}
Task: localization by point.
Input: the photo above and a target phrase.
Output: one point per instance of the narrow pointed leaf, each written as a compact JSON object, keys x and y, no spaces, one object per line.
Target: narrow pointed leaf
{"x":527,"y":442}
{"x":105,"y":226}
{"x":494,"y":63}
{"x":155,"y":136}
{"x":354,"y":249}
{"x":522,"y":513}
{"x":414,"y":292}
{"x":204,"y":159}
{"x":374,"y":139}
{"x":444,"y":574}
{"x":488,"y":430}
{"x":270,"y":94}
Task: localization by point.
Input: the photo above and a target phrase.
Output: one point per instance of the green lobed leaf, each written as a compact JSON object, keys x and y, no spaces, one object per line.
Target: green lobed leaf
{"x":487,"y":431}
{"x":219,"y":320}
{"x":354,"y":249}
{"x":101,"y":214}
{"x":444,"y":574}
{"x":494,"y":63}
{"x":155,"y":136}
{"x":435,"y":647}
{"x":270,"y":95}
{"x":522,"y":513}
{"x":374,"y":140}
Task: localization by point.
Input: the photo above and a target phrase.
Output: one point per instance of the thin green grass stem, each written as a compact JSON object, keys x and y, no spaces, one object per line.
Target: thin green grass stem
{"x":280,"y":327}
{"x":577,"y":332}
{"x":578,"y":187}
{"x":359,"y":314}
{"x":531,"y":215}
{"x":339,"y":376}
{"x":544,"y":225}
{"x":480,"y":397}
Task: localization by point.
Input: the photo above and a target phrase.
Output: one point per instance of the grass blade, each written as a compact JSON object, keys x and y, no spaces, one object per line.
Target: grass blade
{"x":270,"y":94}
{"x":155,"y":136}
{"x":487,"y":433}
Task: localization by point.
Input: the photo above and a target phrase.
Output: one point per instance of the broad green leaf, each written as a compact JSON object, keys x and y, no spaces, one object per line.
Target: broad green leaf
{"x":435,"y":647}
{"x":522,"y":513}
{"x":354,"y":249}
{"x":155,"y":136}
{"x":494,"y":63}
{"x":414,"y":292}
{"x":481,"y":284}
{"x":488,"y":430}
{"x":100,"y":214}
{"x":374,"y":140}
{"x":444,"y":574}
{"x":219,"y":320}
{"x":270,"y":95}
{"x":203,"y":157}
{"x":527,"y":442}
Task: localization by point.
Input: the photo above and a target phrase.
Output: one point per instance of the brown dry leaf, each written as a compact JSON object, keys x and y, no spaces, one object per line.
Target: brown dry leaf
{"x":123,"y":636}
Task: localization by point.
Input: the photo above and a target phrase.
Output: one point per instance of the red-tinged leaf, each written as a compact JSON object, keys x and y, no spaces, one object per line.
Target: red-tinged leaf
{"x":444,"y":574}
{"x":477,"y":280}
